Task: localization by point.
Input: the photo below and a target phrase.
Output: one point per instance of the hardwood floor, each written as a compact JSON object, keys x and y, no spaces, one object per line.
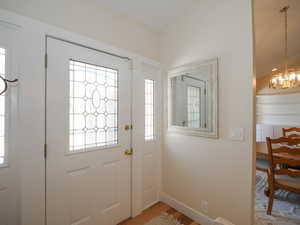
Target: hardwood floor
{"x":155,"y":211}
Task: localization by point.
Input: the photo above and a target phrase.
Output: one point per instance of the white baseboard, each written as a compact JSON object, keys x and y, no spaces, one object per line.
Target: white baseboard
{"x":150,"y":205}
{"x":188,"y":211}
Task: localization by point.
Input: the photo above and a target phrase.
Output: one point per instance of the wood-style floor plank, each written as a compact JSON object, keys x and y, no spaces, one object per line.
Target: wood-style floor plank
{"x":155,"y":211}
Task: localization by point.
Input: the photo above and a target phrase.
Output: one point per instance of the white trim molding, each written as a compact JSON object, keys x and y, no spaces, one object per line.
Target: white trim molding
{"x":188,"y":211}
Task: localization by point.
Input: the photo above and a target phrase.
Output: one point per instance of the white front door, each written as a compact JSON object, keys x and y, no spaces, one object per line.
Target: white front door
{"x":88,"y":176}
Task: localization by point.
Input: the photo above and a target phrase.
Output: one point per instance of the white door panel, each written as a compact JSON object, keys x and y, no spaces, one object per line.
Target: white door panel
{"x":89,"y":183}
{"x":147,"y":144}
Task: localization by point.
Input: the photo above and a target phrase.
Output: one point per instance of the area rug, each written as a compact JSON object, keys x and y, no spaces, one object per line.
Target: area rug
{"x":164,"y":219}
{"x":286,"y":208}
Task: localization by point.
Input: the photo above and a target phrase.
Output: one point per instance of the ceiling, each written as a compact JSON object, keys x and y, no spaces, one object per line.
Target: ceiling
{"x":269,"y":36}
{"x":155,"y":13}
{"x":268,"y":25}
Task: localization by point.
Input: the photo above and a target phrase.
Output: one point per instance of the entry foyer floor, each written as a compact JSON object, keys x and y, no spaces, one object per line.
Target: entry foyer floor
{"x":155,"y":211}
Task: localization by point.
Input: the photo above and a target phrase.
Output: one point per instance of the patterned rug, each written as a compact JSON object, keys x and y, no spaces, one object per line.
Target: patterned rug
{"x":164,"y":219}
{"x":172,"y":217}
{"x":286,"y":208}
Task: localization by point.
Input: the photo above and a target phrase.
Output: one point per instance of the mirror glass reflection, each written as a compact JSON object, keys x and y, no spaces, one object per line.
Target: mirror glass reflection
{"x":189,"y":100}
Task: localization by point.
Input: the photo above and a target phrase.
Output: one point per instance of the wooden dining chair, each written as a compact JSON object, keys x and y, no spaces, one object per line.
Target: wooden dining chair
{"x":293,"y":132}
{"x":282,"y":151}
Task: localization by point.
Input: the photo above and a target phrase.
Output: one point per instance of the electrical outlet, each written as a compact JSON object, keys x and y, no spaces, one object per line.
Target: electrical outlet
{"x":204,"y":206}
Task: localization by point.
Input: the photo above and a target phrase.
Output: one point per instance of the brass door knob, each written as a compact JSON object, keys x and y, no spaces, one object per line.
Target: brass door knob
{"x":128,"y":151}
{"x":128,"y":127}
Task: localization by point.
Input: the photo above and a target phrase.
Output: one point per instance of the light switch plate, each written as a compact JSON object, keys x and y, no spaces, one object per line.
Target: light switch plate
{"x":236,"y":134}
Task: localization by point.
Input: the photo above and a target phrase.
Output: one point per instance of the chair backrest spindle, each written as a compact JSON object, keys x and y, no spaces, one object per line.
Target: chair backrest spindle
{"x":285,"y":155}
{"x":293,"y":132}
{"x":282,"y":158}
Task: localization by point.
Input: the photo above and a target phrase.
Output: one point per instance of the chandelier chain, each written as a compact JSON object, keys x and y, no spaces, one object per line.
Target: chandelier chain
{"x":285,"y":11}
{"x":288,"y":77}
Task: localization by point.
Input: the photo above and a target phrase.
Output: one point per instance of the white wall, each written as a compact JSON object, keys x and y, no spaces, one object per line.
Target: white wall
{"x":31,"y":102}
{"x":219,"y":171}
{"x":267,"y":130}
{"x":92,"y":19}
{"x":280,"y":110}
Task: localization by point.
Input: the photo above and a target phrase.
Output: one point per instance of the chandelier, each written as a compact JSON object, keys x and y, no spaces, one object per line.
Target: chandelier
{"x":288,"y":77}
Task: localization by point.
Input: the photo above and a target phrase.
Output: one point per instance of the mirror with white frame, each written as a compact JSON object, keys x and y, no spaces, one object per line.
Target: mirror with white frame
{"x":193,"y":99}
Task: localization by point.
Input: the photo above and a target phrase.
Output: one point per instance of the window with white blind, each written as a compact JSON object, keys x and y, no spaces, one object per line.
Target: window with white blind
{"x":149,"y":110}
{"x":2,"y":110}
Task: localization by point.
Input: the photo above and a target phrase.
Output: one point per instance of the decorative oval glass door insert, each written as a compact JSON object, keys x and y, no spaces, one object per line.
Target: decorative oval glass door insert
{"x":93,"y":106}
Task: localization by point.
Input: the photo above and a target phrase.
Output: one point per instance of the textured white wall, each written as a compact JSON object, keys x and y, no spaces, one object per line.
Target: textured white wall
{"x":219,"y":171}
{"x":92,"y":19}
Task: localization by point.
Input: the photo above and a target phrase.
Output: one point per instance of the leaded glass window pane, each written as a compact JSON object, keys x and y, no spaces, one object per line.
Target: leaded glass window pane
{"x":193,"y":102}
{"x":149,"y":109}
{"x":93,"y":113}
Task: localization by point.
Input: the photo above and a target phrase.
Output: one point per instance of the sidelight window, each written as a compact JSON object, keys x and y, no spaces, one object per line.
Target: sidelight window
{"x":2,"y":109}
{"x":149,"y":109}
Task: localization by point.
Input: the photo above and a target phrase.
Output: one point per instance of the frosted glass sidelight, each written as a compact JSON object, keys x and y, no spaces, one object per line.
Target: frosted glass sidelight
{"x":149,"y":109}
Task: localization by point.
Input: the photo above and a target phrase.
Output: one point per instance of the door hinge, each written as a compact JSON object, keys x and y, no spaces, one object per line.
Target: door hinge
{"x":46,"y":60}
{"x":45,"y":151}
